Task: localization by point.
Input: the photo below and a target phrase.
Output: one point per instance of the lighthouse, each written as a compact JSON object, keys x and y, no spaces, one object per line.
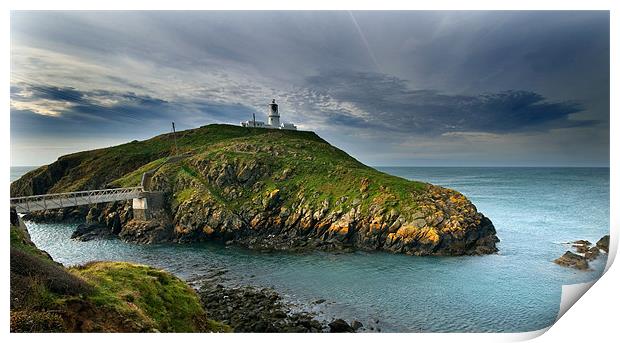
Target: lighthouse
{"x":274,"y":120}
{"x":274,"y":116}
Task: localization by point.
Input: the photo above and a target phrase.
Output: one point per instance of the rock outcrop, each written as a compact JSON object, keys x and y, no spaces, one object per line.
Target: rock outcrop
{"x":277,"y":190}
{"x":340,"y":325}
{"x":603,"y":243}
{"x":585,"y":253}
{"x":573,"y":260}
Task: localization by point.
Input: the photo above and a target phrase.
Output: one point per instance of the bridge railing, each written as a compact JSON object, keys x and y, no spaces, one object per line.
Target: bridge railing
{"x":60,"y":200}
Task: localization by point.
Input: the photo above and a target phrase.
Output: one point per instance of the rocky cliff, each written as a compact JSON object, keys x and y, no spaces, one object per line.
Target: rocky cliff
{"x":268,"y":189}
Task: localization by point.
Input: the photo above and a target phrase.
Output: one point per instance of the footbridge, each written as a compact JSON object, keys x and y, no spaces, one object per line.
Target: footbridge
{"x":142,"y":200}
{"x":145,"y":201}
{"x":62,"y":200}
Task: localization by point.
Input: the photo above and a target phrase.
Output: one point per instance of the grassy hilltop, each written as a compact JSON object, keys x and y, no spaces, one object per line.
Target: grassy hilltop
{"x":314,"y":160}
{"x":272,"y":189}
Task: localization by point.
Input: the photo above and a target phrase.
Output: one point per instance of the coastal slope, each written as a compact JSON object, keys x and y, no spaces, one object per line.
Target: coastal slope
{"x":98,"y":296}
{"x":265,"y":189}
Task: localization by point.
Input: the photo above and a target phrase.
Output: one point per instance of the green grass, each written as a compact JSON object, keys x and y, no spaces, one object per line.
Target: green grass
{"x":139,"y":290}
{"x":97,"y":168}
{"x":134,"y":178}
{"x":116,"y":291}
{"x":317,"y":168}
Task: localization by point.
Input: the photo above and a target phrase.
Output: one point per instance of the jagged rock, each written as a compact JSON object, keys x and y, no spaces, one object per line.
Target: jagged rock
{"x":573,"y":260}
{"x":14,"y":217}
{"x":592,"y":253}
{"x":87,"y":232}
{"x":93,"y":215}
{"x":581,"y":248}
{"x":356,"y":325}
{"x":603,"y":243}
{"x":339,"y":325}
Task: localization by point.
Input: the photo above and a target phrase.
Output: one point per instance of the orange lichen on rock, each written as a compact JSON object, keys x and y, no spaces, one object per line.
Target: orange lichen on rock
{"x":410,"y":232}
{"x":339,"y":230}
{"x":181,"y":229}
{"x":274,"y":193}
{"x":364,"y":184}
{"x":208,"y":230}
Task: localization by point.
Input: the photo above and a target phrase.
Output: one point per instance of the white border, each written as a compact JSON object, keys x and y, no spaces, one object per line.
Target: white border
{"x":593,"y":318}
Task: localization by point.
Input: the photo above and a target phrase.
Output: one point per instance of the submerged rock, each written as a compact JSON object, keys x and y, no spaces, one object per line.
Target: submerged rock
{"x":340,"y":325}
{"x":356,"y":325}
{"x":573,"y":260}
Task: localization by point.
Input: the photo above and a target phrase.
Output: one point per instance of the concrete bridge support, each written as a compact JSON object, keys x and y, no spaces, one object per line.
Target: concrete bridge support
{"x":149,"y":203}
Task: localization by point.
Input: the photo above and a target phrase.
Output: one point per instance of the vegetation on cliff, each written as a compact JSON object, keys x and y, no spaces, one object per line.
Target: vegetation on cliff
{"x":272,"y":189}
{"x":97,"y":297}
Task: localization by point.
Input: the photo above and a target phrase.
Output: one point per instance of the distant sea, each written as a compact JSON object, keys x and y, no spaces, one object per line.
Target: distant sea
{"x":535,"y":211}
{"x":17,"y":172}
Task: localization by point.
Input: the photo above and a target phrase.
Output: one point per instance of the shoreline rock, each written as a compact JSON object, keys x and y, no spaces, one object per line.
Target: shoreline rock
{"x":339,"y":325}
{"x":252,"y":309}
{"x":88,"y":232}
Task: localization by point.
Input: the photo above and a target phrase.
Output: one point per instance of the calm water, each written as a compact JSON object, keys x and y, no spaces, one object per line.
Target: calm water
{"x":533,"y":209}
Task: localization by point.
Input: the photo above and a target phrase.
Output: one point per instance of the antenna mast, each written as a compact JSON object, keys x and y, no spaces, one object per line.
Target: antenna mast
{"x":174,"y":135}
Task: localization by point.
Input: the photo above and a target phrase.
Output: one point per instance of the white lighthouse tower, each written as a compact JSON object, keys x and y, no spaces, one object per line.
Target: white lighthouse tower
{"x":274,"y":120}
{"x":274,"y":116}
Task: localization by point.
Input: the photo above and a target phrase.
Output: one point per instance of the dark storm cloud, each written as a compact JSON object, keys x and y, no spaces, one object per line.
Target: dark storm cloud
{"x":388,"y":79}
{"x":55,"y":93}
{"x":101,"y":110}
{"x":70,"y":103}
{"x":388,"y":102}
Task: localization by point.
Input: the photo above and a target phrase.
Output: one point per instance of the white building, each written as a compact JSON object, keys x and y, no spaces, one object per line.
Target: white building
{"x":274,"y":120}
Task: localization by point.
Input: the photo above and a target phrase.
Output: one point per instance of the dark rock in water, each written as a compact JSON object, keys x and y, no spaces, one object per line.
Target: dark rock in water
{"x":582,"y":242}
{"x":319,"y":301}
{"x":592,"y":253}
{"x":356,"y":325}
{"x":87,"y":232}
{"x":603,"y":243}
{"x":339,"y":325}
{"x":573,"y":260}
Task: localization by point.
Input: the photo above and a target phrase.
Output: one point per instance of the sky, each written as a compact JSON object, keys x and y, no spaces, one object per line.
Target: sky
{"x":408,"y":88}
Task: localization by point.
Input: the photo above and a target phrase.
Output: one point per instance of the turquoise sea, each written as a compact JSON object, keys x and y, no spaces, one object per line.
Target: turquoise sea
{"x":535,"y":210}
